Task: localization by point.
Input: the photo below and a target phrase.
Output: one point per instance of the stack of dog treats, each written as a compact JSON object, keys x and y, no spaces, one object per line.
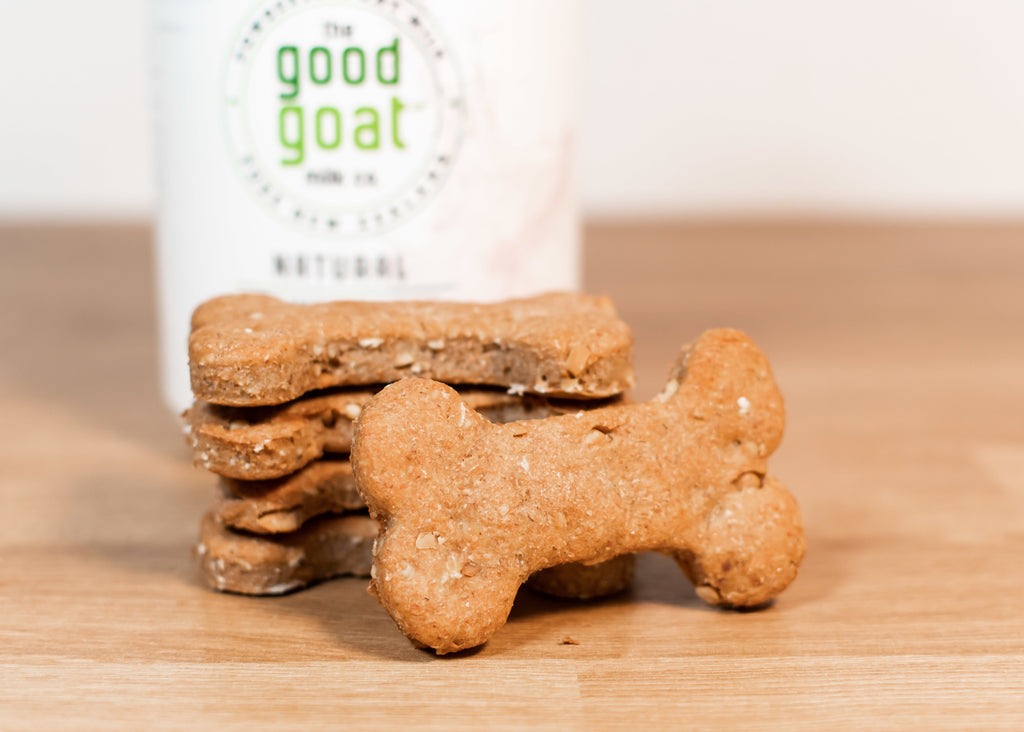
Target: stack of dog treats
{"x":279,"y":389}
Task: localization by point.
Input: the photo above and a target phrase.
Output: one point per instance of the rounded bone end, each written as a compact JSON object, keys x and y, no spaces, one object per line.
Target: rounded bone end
{"x":441,"y":626}
{"x":401,"y":443}
{"x":439,"y":598}
{"x":754,"y":548}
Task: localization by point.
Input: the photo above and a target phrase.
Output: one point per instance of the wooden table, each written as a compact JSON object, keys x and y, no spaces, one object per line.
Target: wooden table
{"x":900,"y":349}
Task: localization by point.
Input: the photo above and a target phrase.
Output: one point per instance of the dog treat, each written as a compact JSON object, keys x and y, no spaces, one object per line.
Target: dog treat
{"x":327,"y":486}
{"x":470,"y":509}
{"x":251,"y":350}
{"x":578,"y":581}
{"x":260,"y":565}
{"x":260,"y":443}
{"x":283,"y":505}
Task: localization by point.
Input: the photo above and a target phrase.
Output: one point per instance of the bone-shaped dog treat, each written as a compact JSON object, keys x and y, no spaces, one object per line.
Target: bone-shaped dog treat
{"x":262,"y":443}
{"x":260,"y":565}
{"x":470,"y":509}
{"x":250,"y":350}
{"x":282,"y":505}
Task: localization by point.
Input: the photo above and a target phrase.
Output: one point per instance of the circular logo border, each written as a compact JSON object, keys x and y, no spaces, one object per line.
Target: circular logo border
{"x":288,"y":206}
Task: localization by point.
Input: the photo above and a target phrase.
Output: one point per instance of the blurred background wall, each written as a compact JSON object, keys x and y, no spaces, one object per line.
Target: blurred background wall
{"x":694,"y":107}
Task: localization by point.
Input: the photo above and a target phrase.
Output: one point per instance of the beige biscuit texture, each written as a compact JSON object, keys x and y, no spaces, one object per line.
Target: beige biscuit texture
{"x":283,"y":505}
{"x":248,"y":564}
{"x":253,"y":350}
{"x":262,"y":443}
{"x":334,"y":546}
{"x":471,"y":509}
{"x":328,"y":487}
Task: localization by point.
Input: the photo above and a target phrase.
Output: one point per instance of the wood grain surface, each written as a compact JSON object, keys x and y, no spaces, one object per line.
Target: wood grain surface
{"x":899,"y":348}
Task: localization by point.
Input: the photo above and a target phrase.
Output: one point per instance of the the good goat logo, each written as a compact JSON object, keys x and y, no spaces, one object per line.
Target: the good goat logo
{"x":344,"y":116}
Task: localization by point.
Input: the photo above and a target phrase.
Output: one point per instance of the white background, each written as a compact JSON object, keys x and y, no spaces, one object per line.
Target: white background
{"x":694,"y":107}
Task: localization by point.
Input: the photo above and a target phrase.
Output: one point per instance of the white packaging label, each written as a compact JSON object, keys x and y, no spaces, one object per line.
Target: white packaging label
{"x":363,"y":149}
